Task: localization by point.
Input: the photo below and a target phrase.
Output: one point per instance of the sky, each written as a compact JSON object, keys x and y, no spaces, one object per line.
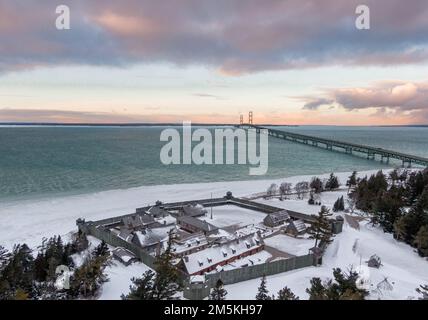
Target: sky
{"x":288,"y":61}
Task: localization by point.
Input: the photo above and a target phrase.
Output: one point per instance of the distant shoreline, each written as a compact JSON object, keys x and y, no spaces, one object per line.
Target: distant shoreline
{"x":53,"y":124}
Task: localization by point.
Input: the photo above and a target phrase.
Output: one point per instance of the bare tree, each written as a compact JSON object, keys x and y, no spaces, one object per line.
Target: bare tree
{"x":284,"y":189}
{"x":272,"y":190}
{"x":302,"y":188}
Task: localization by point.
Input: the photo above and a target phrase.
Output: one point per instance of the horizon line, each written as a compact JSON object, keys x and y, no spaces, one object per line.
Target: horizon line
{"x":134,"y":124}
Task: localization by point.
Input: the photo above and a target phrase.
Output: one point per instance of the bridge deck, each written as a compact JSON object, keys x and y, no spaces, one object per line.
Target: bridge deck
{"x":347,"y":146}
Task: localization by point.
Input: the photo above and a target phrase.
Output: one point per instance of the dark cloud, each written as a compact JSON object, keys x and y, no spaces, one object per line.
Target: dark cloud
{"x":235,"y":36}
{"x":314,"y":104}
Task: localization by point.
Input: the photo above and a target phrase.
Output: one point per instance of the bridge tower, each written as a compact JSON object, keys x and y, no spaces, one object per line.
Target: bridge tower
{"x":241,"y":119}
{"x":250,"y":117}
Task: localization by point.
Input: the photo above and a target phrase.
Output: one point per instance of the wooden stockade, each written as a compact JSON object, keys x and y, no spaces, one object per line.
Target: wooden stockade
{"x":100,"y":230}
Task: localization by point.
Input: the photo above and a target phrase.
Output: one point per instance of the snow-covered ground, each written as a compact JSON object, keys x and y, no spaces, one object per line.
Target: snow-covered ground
{"x":288,"y":244}
{"x":402,"y":267}
{"x":30,"y":221}
{"x":225,"y":216}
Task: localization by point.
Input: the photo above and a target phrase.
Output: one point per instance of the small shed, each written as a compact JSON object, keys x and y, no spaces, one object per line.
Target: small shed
{"x":276,"y":219}
{"x":374,"y":261}
{"x":296,"y":227}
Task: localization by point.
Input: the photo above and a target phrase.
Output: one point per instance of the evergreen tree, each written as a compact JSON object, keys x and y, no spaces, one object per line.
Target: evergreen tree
{"x":320,"y":229}
{"x":263,"y":293}
{"x":102,"y":250}
{"x":421,"y":241}
{"x":89,"y":277}
{"x":166,"y":282}
{"x":4,"y":256}
{"x":332,"y":182}
{"x":387,"y":208}
{"x":16,"y":278}
{"x":339,"y":205}
{"x":286,"y":294}
{"x":79,"y":243}
{"x":316,"y":185}
{"x":317,"y":290}
{"x":141,"y":288}
{"x":407,"y":226}
{"x":311,"y":199}
{"x":394,"y":176}
{"x":352,"y":181}
{"x":218,"y":292}
{"x":344,"y":287}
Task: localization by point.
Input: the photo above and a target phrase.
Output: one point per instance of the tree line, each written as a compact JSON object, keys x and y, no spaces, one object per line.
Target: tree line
{"x":27,"y":274}
{"x":398,"y":203}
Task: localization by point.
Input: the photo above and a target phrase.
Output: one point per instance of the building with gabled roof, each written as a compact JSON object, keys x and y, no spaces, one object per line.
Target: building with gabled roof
{"x":296,"y":227}
{"x":138,"y":221}
{"x":195,"y":225}
{"x":276,"y":218}
{"x":212,"y":257}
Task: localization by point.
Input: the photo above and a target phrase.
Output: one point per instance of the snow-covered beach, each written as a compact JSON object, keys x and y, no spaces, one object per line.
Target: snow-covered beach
{"x":32,"y":220}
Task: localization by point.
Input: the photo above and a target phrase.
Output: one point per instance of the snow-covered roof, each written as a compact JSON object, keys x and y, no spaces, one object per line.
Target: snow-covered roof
{"x":199,"y":224}
{"x":299,"y":225}
{"x":197,"y":279}
{"x":126,"y":234}
{"x":152,"y":236}
{"x":278,"y":217}
{"x":136,"y":221}
{"x":218,"y":253}
{"x":123,"y":254}
{"x":198,"y":240}
{"x":157,"y":211}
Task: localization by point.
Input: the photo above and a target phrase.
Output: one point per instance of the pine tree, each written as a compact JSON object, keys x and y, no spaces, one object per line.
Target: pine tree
{"x":316,"y":185}
{"x":102,"y":250}
{"x":320,"y":230}
{"x":339,"y":205}
{"x":263,"y":293}
{"x":89,"y":277}
{"x":141,"y":288}
{"x":166,"y":282}
{"x":332,"y":183}
{"x":344,"y":287}
{"x":286,"y":294}
{"x":421,"y":241}
{"x":352,"y":181}
{"x":4,"y":256}
{"x":218,"y":292}
{"x":16,"y":278}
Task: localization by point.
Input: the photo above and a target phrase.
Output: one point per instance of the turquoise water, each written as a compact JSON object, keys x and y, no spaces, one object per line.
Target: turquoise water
{"x":53,"y":161}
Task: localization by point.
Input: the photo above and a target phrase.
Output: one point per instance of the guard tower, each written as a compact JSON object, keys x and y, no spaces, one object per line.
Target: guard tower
{"x":250,"y":117}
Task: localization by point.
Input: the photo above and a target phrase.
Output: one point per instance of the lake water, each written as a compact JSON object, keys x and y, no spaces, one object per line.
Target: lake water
{"x":53,"y":161}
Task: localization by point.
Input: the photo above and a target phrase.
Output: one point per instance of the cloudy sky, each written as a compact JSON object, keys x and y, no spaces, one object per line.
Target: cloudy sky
{"x":289,"y":61}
